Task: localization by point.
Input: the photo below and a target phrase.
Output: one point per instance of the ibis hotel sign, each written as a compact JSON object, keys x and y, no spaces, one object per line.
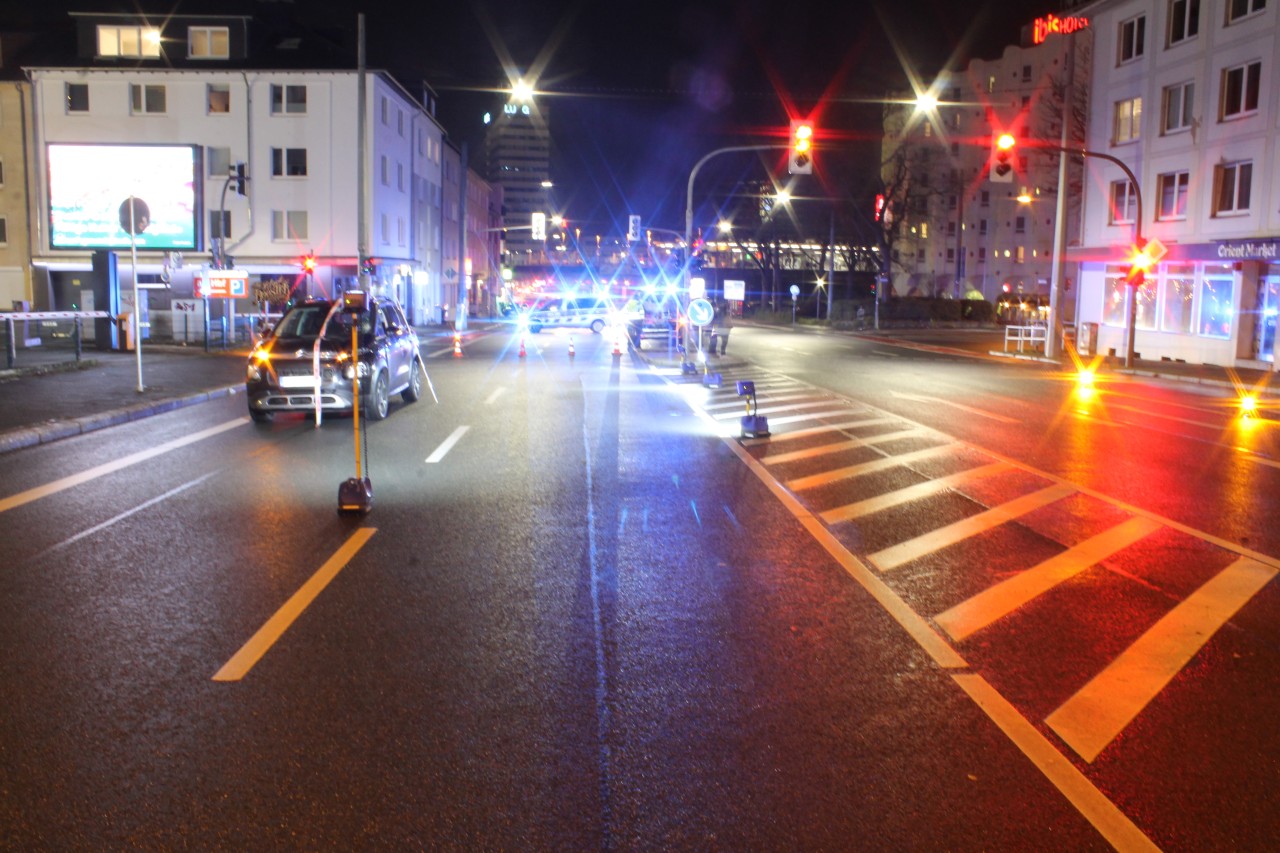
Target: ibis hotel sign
{"x":1052,"y":25}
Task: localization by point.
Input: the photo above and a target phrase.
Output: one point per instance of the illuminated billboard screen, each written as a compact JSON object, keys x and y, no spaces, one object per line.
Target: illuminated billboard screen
{"x":88,"y":184}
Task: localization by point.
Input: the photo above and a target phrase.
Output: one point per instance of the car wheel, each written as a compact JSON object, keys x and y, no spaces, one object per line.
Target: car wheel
{"x":414,"y":391}
{"x":597,"y":326}
{"x":261,"y":417}
{"x":379,"y":399}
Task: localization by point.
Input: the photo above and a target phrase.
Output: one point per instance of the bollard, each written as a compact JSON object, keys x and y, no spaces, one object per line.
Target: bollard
{"x":76,"y":336}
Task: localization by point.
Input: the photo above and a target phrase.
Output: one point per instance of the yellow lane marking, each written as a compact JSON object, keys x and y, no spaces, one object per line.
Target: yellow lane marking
{"x":871,"y":467}
{"x":1092,"y":718}
{"x":905,"y":552}
{"x":912,"y":493}
{"x":1000,"y":600}
{"x":1120,"y":832}
{"x":111,"y":467}
{"x":258,"y":645}
{"x":848,"y":444}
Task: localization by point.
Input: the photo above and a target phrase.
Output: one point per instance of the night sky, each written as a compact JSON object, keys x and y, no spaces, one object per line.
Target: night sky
{"x":639,"y":91}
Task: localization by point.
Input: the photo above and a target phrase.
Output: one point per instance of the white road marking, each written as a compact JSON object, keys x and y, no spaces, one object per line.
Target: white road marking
{"x":869,"y":467}
{"x":935,"y":540}
{"x":265,"y":637}
{"x":1092,"y":718}
{"x":448,"y":444}
{"x":492,"y":398}
{"x":847,"y":444}
{"x":919,"y":398}
{"x":911,"y":493}
{"x":1000,"y":600}
{"x":111,"y":467}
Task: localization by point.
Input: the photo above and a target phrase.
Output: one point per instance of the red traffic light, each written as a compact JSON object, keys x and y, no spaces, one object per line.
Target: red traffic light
{"x":309,"y":263}
{"x":800,"y":156}
{"x":1002,"y":157}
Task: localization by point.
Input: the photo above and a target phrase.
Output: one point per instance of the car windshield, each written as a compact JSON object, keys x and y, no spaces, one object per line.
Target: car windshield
{"x":305,"y":321}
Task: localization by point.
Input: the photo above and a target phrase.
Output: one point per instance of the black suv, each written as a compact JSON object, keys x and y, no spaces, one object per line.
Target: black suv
{"x":281,"y":376}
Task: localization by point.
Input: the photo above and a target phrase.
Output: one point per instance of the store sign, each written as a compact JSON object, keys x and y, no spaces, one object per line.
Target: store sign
{"x":222,"y":284}
{"x":1249,"y":250}
{"x":1052,"y":25}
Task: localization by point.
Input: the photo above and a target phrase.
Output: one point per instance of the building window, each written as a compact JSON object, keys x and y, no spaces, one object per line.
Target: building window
{"x":385,"y":170}
{"x":219,"y":224}
{"x":982,"y":227}
{"x":952,"y":201}
{"x":1237,"y":9}
{"x":1126,"y":121}
{"x":77,"y":97}
{"x":1124,"y":203}
{"x":951,"y":229}
{"x":1,"y":173}
{"x":984,"y":200}
{"x":1020,"y":225}
{"x":288,"y":225}
{"x":1171,"y":193}
{"x":982,"y":254}
{"x":288,"y":162}
{"x":400,"y":176}
{"x":208,"y":43}
{"x":1240,"y":90}
{"x":924,"y":230}
{"x":991,"y":84}
{"x":400,"y":230}
{"x":386,"y":110}
{"x":1026,"y":74}
{"x":1133,"y":35}
{"x":1184,"y":20}
{"x":137,"y":42}
{"x":1176,"y":105}
{"x":400,"y":122}
{"x":218,"y":97}
{"x":1217,"y":301}
{"x":1179,"y":288}
{"x":1232,"y":182}
{"x":4,"y":231}
{"x":148,"y":99}
{"x":951,"y":256}
{"x":219,"y":161}
{"x":288,"y":100}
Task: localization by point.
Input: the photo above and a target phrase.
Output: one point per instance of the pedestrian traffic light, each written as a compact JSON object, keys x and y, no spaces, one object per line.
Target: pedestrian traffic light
{"x":238,"y":178}
{"x":800,"y":159}
{"x":1002,"y":158}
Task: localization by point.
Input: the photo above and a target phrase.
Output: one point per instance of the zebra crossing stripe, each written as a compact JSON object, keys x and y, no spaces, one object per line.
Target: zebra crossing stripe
{"x":848,"y":444}
{"x":935,"y":540}
{"x":1092,"y":718}
{"x":1000,"y":600}
{"x":868,"y":467}
{"x":911,"y":493}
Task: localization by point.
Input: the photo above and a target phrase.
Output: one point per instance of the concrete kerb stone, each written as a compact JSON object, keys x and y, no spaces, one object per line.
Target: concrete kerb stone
{"x":17,"y":439}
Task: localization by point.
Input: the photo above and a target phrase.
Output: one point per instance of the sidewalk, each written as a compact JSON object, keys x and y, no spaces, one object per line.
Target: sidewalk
{"x":49,"y":396}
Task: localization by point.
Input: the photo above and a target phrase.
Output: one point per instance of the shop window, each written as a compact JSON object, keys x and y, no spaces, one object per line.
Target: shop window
{"x":1179,"y":290}
{"x":1217,"y":301}
{"x":1114,"y":293}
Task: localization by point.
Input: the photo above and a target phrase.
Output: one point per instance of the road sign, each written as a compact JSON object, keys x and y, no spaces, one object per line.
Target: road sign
{"x":736,"y":290}
{"x":223,"y":284}
{"x":795,"y":291}
{"x":700,"y":312}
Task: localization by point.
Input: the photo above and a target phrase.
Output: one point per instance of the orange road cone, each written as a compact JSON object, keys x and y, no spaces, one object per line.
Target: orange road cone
{"x":571,"y":350}
{"x":457,"y":345}
{"x":522,"y":348}
{"x":617,"y":345}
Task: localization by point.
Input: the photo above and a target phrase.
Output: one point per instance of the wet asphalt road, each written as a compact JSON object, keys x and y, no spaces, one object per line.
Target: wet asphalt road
{"x":586,"y":624}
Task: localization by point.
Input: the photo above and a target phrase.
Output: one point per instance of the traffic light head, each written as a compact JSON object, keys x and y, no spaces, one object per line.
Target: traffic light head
{"x":238,"y":178}
{"x":309,"y":263}
{"x":800,"y":154}
{"x":1140,"y":260}
{"x":1002,"y":157}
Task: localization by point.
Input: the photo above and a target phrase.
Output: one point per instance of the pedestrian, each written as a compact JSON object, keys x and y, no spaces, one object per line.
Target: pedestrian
{"x":721,"y":323}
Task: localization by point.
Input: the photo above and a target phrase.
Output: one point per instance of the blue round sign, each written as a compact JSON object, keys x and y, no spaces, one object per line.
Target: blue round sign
{"x":700,"y":312}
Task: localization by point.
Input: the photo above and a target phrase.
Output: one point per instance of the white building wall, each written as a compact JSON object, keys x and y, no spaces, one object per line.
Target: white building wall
{"x":1207,"y":250}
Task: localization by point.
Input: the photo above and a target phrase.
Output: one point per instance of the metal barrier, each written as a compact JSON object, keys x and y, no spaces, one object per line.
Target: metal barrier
{"x":60,"y":326}
{"x":1023,"y":336}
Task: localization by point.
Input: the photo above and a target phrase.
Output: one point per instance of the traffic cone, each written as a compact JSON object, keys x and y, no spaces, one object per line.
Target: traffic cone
{"x":571,"y":350}
{"x":617,"y":346}
{"x":522,"y":347}
{"x":457,"y":345}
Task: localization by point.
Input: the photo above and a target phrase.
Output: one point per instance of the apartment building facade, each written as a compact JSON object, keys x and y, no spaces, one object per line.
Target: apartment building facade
{"x":140,"y":92}
{"x":1185,"y":96}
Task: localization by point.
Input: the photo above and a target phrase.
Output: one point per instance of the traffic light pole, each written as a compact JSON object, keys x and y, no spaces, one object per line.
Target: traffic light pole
{"x":688,"y":222}
{"x":1129,"y":357}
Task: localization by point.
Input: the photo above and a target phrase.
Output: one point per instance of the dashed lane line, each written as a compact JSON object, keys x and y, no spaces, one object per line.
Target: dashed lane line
{"x":447,"y":445}
{"x":102,"y":470}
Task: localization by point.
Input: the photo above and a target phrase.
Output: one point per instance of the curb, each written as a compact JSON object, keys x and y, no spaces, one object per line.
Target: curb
{"x":50,"y":431}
